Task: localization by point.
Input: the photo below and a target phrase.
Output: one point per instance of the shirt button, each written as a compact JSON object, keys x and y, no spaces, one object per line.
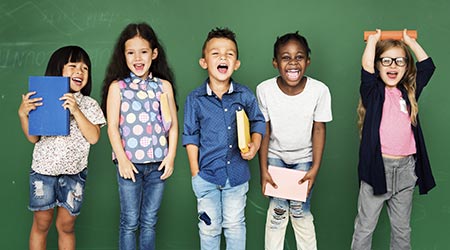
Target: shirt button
{"x":228,"y":162}
{"x":225,"y":110}
{"x":230,"y":146}
{"x":229,"y":127}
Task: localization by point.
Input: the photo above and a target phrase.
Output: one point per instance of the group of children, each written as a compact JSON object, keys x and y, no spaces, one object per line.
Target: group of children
{"x":287,"y":125}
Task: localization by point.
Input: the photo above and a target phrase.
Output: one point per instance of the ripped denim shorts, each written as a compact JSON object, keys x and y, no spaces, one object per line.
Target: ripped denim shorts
{"x":48,"y":191}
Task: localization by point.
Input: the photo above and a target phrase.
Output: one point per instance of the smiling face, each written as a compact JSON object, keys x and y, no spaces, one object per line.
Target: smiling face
{"x":391,"y":75}
{"x":78,"y":73}
{"x":220,"y":59}
{"x":291,"y":61}
{"x":139,"y":56}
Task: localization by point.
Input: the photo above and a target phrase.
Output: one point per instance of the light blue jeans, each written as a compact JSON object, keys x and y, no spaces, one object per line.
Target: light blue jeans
{"x":139,"y":205}
{"x":220,"y":207}
{"x":279,"y":212}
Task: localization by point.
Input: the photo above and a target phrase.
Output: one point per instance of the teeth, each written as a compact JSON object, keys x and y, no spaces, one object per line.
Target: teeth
{"x":77,"y":79}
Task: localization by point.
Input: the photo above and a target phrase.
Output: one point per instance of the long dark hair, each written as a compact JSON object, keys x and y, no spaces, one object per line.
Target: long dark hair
{"x":117,"y":68}
{"x":67,"y":54}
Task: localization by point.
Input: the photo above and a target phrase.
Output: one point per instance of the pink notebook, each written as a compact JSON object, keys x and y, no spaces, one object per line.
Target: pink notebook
{"x":287,"y":182}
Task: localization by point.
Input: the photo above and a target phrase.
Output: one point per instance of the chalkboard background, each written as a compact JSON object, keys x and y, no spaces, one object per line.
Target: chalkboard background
{"x":31,"y":30}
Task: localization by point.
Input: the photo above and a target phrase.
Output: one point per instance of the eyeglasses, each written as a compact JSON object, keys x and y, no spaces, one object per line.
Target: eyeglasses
{"x":387,"y":61}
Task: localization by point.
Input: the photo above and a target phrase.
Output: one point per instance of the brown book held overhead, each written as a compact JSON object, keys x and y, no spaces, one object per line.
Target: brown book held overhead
{"x":165,"y":111}
{"x":243,"y":130}
{"x":391,"y":34}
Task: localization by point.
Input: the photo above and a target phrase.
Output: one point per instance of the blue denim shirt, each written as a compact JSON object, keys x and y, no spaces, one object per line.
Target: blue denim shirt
{"x":210,"y":124}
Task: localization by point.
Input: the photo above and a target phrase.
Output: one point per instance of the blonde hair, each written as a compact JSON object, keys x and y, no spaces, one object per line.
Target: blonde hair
{"x":408,"y":81}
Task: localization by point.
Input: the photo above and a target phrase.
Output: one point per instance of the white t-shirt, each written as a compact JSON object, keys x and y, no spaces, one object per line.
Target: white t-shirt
{"x":291,"y":118}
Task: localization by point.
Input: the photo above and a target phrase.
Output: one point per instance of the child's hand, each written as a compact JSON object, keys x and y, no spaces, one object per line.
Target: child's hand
{"x":407,"y":39}
{"x":252,"y":150}
{"x":28,"y":104}
{"x":311,"y":176}
{"x":375,"y":37}
{"x":267,"y":178}
{"x":127,"y":170}
{"x":167,"y":165}
{"x":70,"y":103}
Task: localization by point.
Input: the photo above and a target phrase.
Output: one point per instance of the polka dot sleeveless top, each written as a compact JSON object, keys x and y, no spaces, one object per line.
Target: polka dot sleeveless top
{"x":143,"y":135}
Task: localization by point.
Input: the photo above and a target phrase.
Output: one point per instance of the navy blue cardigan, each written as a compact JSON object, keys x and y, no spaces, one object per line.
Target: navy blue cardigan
{"x":371,"y":167}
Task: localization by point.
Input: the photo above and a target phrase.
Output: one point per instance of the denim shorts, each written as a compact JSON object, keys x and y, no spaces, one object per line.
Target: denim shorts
{"x":48,"y":191}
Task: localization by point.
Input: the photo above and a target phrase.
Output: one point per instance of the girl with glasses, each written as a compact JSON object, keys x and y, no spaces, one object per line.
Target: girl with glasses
{"x":392,"y":156}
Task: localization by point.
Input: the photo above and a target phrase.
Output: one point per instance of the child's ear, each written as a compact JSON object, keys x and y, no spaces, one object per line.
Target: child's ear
{"x":237,"y":65}
{"x":203,"y":63}
{"x":154,"y":53}
{"x":275,"y":63}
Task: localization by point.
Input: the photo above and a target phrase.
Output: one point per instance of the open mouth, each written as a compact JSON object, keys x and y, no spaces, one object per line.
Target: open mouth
{"x":293,"y":74}
{"x":222,"y":68}
{"x":139,"y":66}
{"x":77,"y":80}
{"x":392,"y":75}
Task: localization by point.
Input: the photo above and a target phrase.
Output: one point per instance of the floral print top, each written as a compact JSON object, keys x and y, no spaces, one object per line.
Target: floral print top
{"x":56,"y":155}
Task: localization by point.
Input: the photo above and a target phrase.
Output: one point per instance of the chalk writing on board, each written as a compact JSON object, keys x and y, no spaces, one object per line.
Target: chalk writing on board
{"x":23,"y":56}
{"x":56,"y":19}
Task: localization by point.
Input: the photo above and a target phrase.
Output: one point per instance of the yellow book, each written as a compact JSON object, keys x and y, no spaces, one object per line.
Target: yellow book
{"x":243,"y":130}
{"x":165,"y":111}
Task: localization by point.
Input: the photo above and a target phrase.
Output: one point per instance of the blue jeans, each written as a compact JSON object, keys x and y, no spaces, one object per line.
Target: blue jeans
{"x":139,"y":205}
{"x":279,"y":212}
{"x":220,"y":207}
{"x":48,"y":191}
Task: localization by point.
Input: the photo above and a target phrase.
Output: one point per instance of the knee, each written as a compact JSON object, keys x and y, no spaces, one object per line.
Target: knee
{"x":277,"y":217}
{"x":209,"y":226}
{"x":297,"y":211}
{"x":65,"y":223}
{"x":42,"y":225}
{"x":65,"y":226}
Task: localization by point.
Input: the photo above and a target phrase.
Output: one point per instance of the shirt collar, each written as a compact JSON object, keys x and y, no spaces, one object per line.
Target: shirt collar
{"x":78,"y":96}
{"x":150,"y":80}
{"x":210,"y":92}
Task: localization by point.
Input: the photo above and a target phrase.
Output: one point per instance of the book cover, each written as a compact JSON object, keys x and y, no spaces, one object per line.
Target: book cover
{"x":243,"y":130}
{"x":287,"y":182}
{"x":50,"y":118}
{"x":165,"y":111}
{"x":391,"y":34}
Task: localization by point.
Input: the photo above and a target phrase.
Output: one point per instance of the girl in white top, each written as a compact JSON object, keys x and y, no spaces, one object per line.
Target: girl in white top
{"x":296,"y":108}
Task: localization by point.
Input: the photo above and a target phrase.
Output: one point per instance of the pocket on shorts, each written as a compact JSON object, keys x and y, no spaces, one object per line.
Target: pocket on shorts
{"x":83,"y":175}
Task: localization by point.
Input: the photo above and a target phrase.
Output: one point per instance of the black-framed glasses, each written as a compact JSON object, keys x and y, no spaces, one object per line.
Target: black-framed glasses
{"x":387,"y":61}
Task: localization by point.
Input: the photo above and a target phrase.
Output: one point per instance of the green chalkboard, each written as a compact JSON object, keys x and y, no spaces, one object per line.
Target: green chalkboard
{"x":31,"y":30}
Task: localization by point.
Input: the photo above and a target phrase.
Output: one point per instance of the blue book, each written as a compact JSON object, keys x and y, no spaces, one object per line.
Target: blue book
{"x":50,"y":118}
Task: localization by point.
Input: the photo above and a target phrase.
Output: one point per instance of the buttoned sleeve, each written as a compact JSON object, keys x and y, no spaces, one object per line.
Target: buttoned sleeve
{"x":191,"y":130}
{"x":255,"y":116}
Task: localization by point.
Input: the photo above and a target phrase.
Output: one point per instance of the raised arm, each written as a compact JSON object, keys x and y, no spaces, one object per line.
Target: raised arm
{"x":368,"y":58}
{"x":418,"y":51}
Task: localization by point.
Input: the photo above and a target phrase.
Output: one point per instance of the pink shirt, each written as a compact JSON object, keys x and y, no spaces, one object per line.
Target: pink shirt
{"x":396,"y":135}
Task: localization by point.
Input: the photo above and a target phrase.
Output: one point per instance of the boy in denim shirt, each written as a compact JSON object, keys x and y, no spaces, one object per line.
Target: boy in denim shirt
{"x":220,"y":172}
